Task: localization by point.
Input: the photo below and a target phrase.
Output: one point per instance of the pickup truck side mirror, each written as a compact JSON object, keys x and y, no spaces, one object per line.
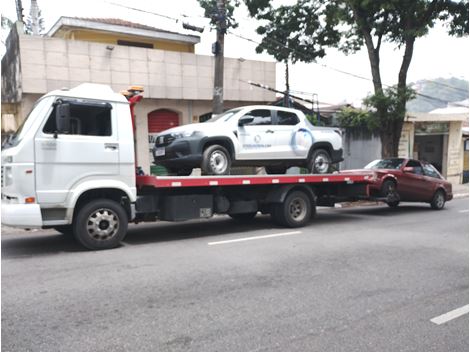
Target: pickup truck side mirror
{"x":409,"y":169}
{"x":245,"y":120}
{"x":62,"y":118}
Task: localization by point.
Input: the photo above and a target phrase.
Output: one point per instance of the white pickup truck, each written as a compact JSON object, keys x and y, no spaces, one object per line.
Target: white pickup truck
{"x":261,"y":135}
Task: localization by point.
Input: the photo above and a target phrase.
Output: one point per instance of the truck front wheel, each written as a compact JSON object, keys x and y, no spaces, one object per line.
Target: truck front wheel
{"x":295,"y":211}
{"x":100,"y":224}
{"x":216,"y":160}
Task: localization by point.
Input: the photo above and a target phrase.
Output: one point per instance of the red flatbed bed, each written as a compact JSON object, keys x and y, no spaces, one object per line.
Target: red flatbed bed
{"x":239,"y":180}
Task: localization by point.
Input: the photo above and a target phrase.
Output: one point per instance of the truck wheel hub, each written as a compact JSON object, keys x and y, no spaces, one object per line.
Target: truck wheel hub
{"x":102,"y":224}
{"x":218,"y":162}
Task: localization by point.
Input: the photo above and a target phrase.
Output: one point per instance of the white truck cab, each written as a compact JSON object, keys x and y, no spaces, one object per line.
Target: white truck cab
{"x":73,"y":144}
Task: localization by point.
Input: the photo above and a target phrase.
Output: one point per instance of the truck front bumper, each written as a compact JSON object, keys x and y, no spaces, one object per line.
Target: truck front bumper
{"x":21,"y":215}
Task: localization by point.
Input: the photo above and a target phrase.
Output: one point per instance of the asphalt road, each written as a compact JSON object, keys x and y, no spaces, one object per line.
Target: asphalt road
{"x":356,"y":279}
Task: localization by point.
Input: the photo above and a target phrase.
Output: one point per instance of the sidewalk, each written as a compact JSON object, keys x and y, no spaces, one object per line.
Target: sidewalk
{"x":459,"y":190}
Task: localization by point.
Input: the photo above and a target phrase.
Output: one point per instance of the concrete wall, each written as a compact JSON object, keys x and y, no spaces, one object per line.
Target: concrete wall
{"x":455,"y":152}
{"x":54,"y":63}
{"x":359,"y":149}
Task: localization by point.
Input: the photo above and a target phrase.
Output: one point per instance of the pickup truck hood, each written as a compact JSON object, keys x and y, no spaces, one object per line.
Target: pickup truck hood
{"x":190,"y":127}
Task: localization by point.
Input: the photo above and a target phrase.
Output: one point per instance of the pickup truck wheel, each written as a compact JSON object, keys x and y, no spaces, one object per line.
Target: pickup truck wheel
{"x":438,"y":200}
{"x":319,"y":162}
{"x":295,"y":211}
{"x":100,"y":224}
{"x":243,"y":216}
{"x":216,"y":160}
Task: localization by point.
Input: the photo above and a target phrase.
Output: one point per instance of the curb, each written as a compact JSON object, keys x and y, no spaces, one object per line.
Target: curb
{"x":460,"y":195}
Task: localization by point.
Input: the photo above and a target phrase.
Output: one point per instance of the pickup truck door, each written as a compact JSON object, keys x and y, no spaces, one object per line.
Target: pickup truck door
{"x":90,"y":151}
{"x":257,"y":139}
{"x":289,"y":132}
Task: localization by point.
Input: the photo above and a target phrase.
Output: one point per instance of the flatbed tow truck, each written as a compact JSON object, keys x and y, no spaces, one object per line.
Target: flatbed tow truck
{"x":72,"y":167}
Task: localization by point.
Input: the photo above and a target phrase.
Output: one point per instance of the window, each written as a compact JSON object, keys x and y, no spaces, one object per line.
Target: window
{"x":430,"y":171}
{"x":260,"y":117}
{"x":136,"y":44}
{"x":287,"y":118}
{"x":416,"y":165}
{"x":86,"y":118}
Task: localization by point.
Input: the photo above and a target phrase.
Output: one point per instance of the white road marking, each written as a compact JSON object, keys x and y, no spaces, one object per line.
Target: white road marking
{"x":463,"y":211}
{"x":256,"y":238}
{"x":444,"y":318}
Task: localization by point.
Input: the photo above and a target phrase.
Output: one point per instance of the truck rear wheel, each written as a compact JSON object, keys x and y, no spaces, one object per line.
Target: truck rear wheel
{"x":319,"y":162}
{"x":100,"y":224}
{"x":295,"y":211}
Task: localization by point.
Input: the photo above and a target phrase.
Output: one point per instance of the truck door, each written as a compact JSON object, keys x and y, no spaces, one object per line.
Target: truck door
{"x":257,"y":138}
{"x":89,"y":151}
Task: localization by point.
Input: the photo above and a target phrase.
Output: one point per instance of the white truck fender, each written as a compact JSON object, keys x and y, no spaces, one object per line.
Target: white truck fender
{"x":83,"y":187}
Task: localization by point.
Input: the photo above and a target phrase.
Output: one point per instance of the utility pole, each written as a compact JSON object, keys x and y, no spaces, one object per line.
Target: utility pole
{"x":19,"y":10}
{"x":34,"y":14}
{"x":218,"y":51}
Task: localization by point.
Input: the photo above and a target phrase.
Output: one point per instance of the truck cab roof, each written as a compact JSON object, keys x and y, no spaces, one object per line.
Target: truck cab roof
{"x":91,"y":91}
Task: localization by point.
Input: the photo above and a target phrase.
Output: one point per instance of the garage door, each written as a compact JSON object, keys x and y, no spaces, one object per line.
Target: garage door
{"x":161,"y":120}
{"x":158,"y":121}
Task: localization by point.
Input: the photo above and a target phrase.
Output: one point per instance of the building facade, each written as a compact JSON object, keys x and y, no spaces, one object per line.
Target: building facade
{"x":436,"y":137}
{"x":177,"y":83}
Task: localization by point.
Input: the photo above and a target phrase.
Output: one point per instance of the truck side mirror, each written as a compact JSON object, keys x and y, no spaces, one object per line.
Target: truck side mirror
{"x":62,"y":118}
{"x":245,"y":120}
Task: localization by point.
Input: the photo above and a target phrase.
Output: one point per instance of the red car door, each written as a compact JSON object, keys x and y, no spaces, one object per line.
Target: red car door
{"x":413,"y":185}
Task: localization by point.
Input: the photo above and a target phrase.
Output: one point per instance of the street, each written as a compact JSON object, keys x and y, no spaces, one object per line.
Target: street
{"x":366,"y":278}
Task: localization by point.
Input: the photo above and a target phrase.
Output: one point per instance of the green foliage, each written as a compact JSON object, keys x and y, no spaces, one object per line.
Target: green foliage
{"x":381,"y":109}
{"x":302,"y":31}
{"x":6,"y":23}
{"x":211,"y":11}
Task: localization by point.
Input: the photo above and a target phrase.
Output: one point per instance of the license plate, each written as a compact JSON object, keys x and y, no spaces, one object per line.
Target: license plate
{"x":159,"y":151}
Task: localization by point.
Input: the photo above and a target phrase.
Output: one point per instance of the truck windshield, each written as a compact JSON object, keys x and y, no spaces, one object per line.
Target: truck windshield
{"x":15,"y":138}
{"x":224,"y":116}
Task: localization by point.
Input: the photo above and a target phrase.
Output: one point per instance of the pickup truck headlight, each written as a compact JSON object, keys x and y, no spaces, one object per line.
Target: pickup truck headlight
{"x":177,"y":135}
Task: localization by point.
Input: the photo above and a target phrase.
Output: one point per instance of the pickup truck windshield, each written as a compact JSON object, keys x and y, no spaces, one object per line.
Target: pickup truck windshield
{"x":224,"y":116}
{"x":36,"y":111}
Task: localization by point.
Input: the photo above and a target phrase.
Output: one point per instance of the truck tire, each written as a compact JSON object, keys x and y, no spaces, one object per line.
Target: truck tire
{"x":64,"y":229}
{"x":100,"y":224}
{"x":216,"y":160}
{"x":319,"y":162}
{"x":438,"y":200}
{"x":295,"y":211}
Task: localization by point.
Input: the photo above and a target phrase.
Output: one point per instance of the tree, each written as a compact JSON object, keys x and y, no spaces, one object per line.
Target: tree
{"x":35,"y":23}
{"x":309,"y":26}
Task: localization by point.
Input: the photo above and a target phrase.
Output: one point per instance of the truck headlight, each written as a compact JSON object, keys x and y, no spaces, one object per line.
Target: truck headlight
{"x":7,"y":176}
{"x":177,"y":135}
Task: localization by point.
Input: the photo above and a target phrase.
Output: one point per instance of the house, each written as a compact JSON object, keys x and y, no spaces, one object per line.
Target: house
{"x":178,"y":83}
{"x":437,"y":137}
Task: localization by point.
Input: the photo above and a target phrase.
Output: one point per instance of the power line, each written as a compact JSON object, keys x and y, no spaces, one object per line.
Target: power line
{"x":290,"y":49}
{"x":333,"y":68}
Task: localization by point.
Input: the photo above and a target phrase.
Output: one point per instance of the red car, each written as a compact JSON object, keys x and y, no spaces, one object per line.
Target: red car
{"x":409,"y":180}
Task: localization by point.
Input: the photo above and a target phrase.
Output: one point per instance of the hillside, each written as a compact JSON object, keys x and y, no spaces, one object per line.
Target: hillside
{"x":442,"y":89}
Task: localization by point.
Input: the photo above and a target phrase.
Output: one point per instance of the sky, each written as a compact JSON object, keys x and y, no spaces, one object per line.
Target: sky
{"x":436,"y":55}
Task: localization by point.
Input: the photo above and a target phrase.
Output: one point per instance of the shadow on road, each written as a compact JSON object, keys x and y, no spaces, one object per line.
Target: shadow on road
{"x":46,"y":242}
